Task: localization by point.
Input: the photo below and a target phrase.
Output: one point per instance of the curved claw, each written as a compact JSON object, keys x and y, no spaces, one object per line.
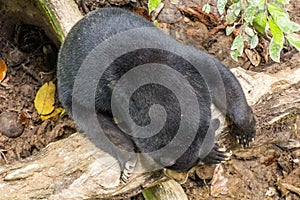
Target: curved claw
{"x":244,"y":141}
{"x":128,"y":171}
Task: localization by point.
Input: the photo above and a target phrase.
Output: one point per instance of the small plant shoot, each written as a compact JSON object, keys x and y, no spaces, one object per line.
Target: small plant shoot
{"x":153,"y":4}
{"x":259,"y":17}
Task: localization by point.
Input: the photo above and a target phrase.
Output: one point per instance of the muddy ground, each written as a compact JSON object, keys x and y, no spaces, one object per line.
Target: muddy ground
{"x":266,"y":170}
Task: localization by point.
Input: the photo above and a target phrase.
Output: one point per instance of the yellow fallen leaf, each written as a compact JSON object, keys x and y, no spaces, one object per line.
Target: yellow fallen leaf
{"x":44,"y":99}
{"x":55,"y":113}
{"x":62,"y":112}
{"x":3,"y":69}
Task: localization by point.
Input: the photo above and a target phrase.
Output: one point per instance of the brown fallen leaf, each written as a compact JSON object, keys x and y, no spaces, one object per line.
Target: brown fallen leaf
{"x":44,"y":99}
{"x":219,"y":182}
{"x":180,"y":177}
{"x":3,"y":69}
{"x":24,"y":118}
{"x":209,"y":19}
{"x":253,"y":56}
{"x":142,"y":12}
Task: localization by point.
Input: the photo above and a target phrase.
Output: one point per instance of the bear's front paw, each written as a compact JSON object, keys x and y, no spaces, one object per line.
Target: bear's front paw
{"x":244,"y":140}
{"x":216,"y":156}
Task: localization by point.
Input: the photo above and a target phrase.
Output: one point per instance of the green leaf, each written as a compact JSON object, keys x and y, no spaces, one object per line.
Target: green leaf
{"x":275,"y":50}
{"x":148,"y":194}
{"x":253,"y":42}
{"x":252,"y":2}
{"x":294,"y":41}
{"x":233,"y":12}
{"x":247,"y":38}
{"x":238,"y":43}
{"x":153,"y":4}
{"x":249,"y":13}
{"x":206,"y":8}
{"x":249,"y":31}
{"x":259,"y":4}
{"x":260,"y":22}
{"x":294,"y":27}
{"x":275,"y":9}
{"x":235,"y":54}
{"x":283,"y":1}
{"x":282,"y":19}
{"x":229,"y":29}
{"x":221,"y":6}
{"x":276,"y":32}
{"x":238,"y":8}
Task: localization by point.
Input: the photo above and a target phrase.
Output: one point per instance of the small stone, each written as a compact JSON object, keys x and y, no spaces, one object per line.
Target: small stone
{"x":9,"y":125}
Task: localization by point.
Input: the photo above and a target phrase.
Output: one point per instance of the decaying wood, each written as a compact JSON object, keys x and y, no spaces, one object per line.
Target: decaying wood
{"x":73,"y":168}
{"x":62,"y":14}
{"x":59,"y":15}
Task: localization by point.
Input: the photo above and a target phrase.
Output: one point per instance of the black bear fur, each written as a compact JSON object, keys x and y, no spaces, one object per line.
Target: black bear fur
{"x":99,"y":26}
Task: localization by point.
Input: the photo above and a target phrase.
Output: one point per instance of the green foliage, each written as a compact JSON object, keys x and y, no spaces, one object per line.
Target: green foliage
{"x":221,"y":6}
{"x":294,"y":41}
{"x":230,"y":29}
{"x":233,"y":12}
{"x":153,"y":4}
{"x":237,"y":47}
{"x":254,"y":17}
{"x":275,"y":50}
{"x":148,"y":194}
{"x":260,"y":22}
{"x":206,"y":8}
{"x":281,"y":18}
